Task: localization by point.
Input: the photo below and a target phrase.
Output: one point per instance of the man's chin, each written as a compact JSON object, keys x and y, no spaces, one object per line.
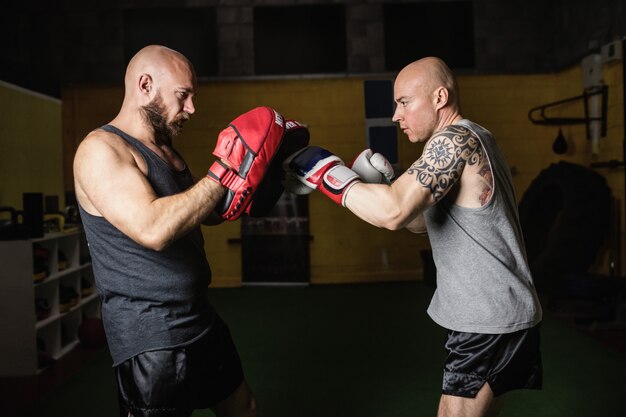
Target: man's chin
{"x":176,"y":129}
{"x":416,"y":139}
{"x":413,"y":139}
{"x":410,"y":136}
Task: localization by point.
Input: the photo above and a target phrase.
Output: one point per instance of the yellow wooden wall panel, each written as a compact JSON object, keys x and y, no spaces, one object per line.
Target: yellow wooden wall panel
{"x":31,"y":149}
{"x":343,"y":248}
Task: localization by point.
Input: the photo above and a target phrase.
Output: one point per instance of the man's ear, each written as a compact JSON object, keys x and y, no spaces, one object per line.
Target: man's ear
{"x":145,"y":83}
{"x":441,"y":97}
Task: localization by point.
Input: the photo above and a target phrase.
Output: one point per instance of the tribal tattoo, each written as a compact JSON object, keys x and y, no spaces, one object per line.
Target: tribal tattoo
{"x":485,"y":195}
{"x":444,"y":158}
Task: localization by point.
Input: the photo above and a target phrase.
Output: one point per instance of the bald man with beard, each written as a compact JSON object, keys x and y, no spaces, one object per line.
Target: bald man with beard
{"x":142,"y":211}
{"x":460,"y":192}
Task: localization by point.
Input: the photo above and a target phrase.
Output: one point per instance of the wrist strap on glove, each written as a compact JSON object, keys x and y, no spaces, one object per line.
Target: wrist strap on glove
{"x":337,"y":181}
{"x":222,"y":174}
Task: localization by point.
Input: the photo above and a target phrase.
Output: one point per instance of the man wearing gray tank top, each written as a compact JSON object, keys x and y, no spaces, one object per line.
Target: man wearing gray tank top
{"x":460,"y":192}
{"x":142,"y":211}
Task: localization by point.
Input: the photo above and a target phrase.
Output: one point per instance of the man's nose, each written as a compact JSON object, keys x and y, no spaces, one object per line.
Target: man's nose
{"x":396,"y":115}
{"x":189,"y":107}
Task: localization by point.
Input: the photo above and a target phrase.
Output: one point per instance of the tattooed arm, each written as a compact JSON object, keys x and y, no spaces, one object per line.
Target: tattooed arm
{"x":426,"y":182}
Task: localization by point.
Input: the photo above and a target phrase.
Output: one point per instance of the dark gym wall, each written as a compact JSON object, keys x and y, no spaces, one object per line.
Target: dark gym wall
{"x":519,"y":47}
{"x":47,"y":44}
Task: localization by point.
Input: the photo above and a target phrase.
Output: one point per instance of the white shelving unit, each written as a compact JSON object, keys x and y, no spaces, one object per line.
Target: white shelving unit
{"x":29,"y":336}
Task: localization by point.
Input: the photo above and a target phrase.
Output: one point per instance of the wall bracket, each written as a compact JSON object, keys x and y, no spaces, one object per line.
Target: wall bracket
{"x":542,"y":119}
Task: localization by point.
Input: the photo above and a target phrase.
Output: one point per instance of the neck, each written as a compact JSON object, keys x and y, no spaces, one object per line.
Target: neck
{"x":135,"y":125}
{"x":448,"y":118}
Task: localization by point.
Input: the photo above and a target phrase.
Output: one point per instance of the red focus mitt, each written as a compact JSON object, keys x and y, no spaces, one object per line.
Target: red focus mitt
{"x":296,"y":137}
{"x":245,"y":148}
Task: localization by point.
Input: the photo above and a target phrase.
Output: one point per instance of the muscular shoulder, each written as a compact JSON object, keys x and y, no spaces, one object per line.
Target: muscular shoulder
{"x":104,"y":163}
{"x":474,"y":187}
{"x":102,"y":141}
{"x":449,"y":145}
{"x":445,"y":156}
{"x":101,"y":146}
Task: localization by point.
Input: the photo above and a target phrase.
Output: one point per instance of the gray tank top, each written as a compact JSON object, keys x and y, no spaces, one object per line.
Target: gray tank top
{"x":484,"y":283}
{"x":150,"y":300}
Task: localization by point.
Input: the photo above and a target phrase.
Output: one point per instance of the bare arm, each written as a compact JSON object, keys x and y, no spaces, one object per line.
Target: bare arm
{"x":213,"y":219}
{"x":426,"y":182}
{"x":417,"y":225}
{"x":110,"y":183}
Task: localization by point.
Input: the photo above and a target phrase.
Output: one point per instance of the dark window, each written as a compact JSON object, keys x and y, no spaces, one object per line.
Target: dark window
{"x":416,"y":30}
{"x":190,"y":31}
{"x":378,"y":99}
{"x":299,"y":39}
{"x":384,"y":140}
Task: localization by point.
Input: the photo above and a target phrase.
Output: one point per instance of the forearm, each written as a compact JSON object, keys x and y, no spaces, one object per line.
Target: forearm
{"x":169,"y":218}
{"x":378,"y":204}
{"x":364,"y":188}
{"x":213,"y":219}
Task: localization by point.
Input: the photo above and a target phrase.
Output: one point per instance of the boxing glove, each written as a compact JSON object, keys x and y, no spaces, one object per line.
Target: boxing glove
{"x":270,"y":189}
{"x":373,"y":168}
{"x":318,"y":168}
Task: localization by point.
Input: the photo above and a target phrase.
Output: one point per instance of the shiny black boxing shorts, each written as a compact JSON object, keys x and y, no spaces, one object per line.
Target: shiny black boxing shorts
{"x":174,"y":382}
{"x":506,"y":361}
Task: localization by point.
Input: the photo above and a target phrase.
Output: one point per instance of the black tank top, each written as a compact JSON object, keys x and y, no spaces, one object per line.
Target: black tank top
{"x":150,"y":299}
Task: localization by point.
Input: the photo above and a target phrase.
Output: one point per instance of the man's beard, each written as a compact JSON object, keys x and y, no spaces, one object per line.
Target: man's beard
{"x":154,"y":115}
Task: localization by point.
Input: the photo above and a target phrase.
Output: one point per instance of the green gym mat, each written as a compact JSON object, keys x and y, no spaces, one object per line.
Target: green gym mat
{"x":365,"y":350}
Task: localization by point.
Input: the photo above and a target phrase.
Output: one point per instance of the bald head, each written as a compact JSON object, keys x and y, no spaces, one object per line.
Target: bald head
{"x":159,"y":86}
{"x":428,"y":74}
{"x":158,"y":62}
{"x":427,"y":98}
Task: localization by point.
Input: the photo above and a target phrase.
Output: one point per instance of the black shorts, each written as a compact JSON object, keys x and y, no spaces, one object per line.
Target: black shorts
{"x":174,"y":382}
{"x":505,"y":361}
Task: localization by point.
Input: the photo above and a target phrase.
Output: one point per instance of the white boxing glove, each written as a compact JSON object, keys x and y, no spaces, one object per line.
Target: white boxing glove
{"x":373,"y":168}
